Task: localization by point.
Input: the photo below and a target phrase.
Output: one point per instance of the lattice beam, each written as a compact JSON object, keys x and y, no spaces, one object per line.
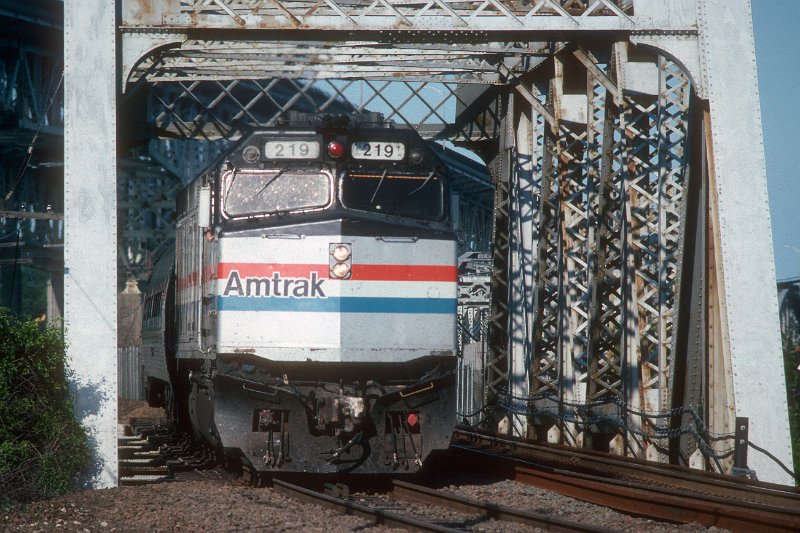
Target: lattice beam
{"x":219,"y":60}
{"x":482,"y":15}
{"x":223,"y":109}
{"x":30,"y":77}
{"x":605,"y":197}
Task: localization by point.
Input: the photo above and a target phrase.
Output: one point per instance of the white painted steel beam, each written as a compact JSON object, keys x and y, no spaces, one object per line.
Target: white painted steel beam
{"x":438,"y":15}
{"x":149,"y":25}
{"x":439,"y":23}
{"x":738,"y":170}
{"x":249,"y":59}
{"x":522,"y":243}
{"x":90,"y":235}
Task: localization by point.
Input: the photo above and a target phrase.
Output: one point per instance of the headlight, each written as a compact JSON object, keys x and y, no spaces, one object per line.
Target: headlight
{"x":340,"y":270}
{"x":340,"y":259}
{"x":340,"y":252}
{"x":251,"y":153}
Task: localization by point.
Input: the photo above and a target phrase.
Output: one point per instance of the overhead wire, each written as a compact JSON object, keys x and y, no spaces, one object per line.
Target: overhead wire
{"x":26,"y":161}
{"x":24,"y":166}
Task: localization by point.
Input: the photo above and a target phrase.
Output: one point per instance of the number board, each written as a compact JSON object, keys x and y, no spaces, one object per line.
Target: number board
{"x":392,"y":151}
{"x":292,"y":149}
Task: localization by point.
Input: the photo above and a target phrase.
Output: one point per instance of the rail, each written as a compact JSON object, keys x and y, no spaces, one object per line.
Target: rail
{"x":430,"y":497}
{"x":346,"y":507}
{"x":488,"y":510}
{"x":661,"y":492}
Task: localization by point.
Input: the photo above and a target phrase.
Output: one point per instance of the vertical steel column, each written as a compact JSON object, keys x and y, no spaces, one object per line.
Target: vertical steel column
{"x":90,"y":235}
{"x":687,"y":373}
{"x":736,"y":160}
{"x":497,"y":363}
{"x":523,"y":240}
{"x":606,"y":363}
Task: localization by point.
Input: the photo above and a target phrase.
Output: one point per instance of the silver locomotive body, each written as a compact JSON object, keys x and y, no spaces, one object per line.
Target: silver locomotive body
{"x":314,"y":301}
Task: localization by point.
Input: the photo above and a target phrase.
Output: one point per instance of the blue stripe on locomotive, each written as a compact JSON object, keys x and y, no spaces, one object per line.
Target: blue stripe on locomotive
{"x":431,"y":306}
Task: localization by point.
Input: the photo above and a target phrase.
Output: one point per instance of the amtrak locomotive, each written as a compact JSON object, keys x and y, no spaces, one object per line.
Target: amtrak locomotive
{"x":306,"y":320}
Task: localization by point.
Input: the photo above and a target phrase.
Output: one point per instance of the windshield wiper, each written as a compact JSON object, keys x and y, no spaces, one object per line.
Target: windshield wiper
{"x":424,"y":183}
{"x":267,"y":184}
{"x":228,"y":192}
{"x":372,"y":200}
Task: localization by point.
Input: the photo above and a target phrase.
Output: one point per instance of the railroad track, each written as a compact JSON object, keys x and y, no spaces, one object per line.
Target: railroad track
{"x":657,"y":491}
{"x":420,"y":508}
{"x":152,"y":452}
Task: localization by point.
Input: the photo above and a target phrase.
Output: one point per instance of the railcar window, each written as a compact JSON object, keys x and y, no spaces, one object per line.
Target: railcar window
{"x":418,"y":196}
{"x":152,"y":306}
{"x":273,"y":191}
{"x":156,"y":310}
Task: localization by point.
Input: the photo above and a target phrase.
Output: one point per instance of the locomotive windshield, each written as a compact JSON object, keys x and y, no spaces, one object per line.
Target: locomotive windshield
{"x":413,"y":196}
{"x":274,"y":191}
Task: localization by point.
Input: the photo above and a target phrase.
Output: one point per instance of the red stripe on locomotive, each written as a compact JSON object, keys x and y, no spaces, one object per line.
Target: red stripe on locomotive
{"x":361,"y":272}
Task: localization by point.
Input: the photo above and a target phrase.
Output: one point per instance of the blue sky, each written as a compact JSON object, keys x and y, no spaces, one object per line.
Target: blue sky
{"x":775,"y":24}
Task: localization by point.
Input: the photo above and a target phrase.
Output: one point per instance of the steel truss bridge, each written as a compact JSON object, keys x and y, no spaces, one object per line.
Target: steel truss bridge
{"x":633,"y":304}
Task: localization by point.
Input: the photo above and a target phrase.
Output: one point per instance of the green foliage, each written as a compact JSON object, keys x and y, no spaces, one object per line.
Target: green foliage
{"x":34,"y":291}
{"x":42,"y":447}
{"x":29,"y":286}
{"x":791,"y":358}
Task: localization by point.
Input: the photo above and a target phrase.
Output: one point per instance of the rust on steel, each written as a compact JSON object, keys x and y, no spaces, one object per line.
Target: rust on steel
{"x":677,"y":477}
{"x":664,"y":504}
{"x":644,"y":497}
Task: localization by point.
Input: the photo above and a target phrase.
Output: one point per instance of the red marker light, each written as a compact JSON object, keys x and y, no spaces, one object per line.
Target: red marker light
{"x":335,"y":149}
{"x":412,"y":419}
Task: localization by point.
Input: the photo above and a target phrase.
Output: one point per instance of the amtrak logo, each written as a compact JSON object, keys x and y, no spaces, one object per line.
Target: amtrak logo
{"x":275,"y":287}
